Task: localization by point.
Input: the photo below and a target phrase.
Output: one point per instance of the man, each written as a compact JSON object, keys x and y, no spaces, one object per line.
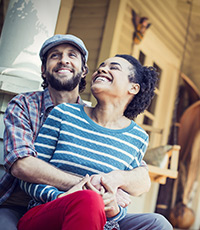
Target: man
{"x":64,"y":67}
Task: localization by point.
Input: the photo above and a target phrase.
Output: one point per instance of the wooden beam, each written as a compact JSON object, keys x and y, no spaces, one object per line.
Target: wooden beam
{"x":160,"y":175}
{"x":64,"y":16}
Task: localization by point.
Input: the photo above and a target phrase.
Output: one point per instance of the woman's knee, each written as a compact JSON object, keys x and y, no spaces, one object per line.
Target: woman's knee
{"x":87,"y":209}
{"x":91,"y":200}
{"x":85,"y":201}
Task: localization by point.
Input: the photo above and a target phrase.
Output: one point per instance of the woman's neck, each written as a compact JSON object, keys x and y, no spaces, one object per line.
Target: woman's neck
{"x":108,"y":116}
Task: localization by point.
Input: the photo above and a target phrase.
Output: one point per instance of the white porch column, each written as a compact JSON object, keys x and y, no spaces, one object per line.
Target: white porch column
{"x":27,"y":25}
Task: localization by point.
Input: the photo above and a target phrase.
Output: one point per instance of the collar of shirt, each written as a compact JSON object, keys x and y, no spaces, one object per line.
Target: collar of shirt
{"x":49,"y":105}
{"x":80,"y":101}
{"x":47,"y":100}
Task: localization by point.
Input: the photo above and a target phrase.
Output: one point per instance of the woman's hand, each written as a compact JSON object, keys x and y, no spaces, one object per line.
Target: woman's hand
{"x":96,"y":181}
{"x":78,"y":187}
{"x":110,"y":201}
{"x":98,"y":184}
{"x":123,"y":198}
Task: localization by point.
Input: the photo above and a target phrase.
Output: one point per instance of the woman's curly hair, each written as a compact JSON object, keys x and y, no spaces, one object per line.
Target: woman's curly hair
{"x":147,"y":78}
{"x":82,"y":83}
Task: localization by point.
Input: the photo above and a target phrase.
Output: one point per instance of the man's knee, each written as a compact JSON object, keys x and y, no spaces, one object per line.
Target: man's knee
{"x":9,"y":219}
{"x":144,"y":221}
{"x":160,"y":222}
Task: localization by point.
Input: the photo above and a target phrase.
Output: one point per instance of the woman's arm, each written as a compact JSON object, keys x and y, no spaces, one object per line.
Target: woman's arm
{"x":39,"y":192}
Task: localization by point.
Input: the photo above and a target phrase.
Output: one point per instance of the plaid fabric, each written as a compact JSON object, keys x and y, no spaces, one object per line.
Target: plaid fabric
{"x":23,"y":118}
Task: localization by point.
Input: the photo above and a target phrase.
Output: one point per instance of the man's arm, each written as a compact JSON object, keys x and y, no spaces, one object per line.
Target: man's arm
{"x":34,"y":170}
{"x":135,"y":181}
{"x":21,"y":129}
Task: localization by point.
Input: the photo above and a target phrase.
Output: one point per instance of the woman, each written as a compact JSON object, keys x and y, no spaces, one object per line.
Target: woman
{"x":97,"y":141}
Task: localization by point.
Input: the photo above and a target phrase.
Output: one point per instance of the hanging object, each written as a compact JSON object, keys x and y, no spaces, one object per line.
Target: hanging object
{"x":181,"y":216}
{"x":141,"y":24}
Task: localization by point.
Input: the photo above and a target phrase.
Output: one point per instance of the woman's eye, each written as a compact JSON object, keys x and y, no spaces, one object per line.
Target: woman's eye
{"x":114,"y":67}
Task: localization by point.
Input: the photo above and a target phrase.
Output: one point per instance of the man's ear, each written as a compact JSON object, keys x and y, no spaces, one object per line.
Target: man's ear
{"x":134,"y":88}
{"x":85,"y":70}
{"x":43,"y":70}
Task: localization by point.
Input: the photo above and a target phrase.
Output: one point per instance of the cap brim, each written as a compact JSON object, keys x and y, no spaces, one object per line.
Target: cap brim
{"x":51,"y":45}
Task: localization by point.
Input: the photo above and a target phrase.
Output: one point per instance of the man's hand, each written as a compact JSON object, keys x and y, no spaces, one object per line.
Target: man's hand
{"x":135,"y":182}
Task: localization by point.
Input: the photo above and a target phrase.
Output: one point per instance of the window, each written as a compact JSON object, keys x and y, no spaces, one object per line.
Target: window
{"x":158,"y":69}
{"x":142,"y":58}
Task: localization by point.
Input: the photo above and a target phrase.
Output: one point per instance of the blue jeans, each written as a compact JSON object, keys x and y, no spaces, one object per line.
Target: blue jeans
{"x":9,"y":217}
{"x":147,"y":221}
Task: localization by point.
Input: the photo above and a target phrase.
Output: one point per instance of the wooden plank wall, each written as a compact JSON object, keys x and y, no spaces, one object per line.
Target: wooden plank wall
{"x":88,"y":19}
{"x":195,"y":67}
{"x":126,"y":35}
{"x":170,"y":23}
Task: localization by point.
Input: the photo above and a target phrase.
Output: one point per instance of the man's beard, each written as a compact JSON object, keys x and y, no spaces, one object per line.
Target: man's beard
{"x":67,"y":85}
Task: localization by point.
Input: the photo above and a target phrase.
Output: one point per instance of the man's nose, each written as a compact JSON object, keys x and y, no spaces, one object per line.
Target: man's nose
{"x":65,"y":59}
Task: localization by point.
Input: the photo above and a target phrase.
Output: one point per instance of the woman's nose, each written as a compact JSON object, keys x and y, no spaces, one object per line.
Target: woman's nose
{"x":101,"y":70}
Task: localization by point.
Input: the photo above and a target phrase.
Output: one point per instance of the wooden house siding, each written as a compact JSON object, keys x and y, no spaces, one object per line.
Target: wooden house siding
{"x":169,"y":23}
{"x":126,"y":35}
{"x":87,"y":22}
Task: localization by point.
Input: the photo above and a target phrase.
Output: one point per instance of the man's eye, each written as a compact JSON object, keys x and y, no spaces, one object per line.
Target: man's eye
{"x":72,"y":55}
{"x":55,"y":55}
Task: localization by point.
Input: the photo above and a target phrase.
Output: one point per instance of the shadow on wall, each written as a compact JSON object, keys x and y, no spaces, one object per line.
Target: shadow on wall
{"x":21,"y":13}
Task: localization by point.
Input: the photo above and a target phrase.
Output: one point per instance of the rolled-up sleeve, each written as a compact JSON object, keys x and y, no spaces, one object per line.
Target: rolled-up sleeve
{"x":19,"y":132}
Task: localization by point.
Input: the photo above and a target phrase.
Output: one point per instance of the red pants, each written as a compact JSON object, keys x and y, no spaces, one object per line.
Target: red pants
{"x":82,"y":210}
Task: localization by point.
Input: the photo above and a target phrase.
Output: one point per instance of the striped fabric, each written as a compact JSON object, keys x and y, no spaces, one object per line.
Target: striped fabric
{"x":71,"y":141}
{"x":23,"y":118}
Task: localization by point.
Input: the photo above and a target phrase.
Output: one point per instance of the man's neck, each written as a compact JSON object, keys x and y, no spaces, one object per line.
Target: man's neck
{"x":59,"y":97}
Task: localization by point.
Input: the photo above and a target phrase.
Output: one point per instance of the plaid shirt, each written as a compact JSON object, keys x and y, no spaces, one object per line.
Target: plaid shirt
{"x":23,"y":118}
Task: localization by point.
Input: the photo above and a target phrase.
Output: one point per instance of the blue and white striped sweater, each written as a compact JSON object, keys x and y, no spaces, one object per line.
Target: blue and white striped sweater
{"x":71,"y":141}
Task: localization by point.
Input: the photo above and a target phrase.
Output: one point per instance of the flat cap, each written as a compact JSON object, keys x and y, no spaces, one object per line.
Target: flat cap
{"x":59,"y":39}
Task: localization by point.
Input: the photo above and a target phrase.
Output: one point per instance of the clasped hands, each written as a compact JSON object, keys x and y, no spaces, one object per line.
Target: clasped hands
{"x":112,"y":195}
